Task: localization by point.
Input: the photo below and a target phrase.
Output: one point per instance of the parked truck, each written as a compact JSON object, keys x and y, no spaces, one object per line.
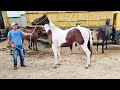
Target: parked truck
{"x":3,"y":24}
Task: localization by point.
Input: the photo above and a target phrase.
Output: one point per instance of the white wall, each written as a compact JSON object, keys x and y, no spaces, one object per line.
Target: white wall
{"x":19,"y":20}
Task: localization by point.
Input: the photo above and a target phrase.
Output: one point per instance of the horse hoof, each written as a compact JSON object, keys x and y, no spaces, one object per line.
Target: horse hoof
{"x":86,"y":67}
{"x":54,"y":67}
{"x":58,"y":63}
{"x":89,"y":65}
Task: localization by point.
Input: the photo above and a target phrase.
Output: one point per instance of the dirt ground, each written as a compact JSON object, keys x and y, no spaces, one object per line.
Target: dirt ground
{"x":40,"y":64}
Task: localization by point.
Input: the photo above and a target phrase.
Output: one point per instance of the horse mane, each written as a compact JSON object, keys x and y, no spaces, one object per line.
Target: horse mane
{"x":53,"y":27}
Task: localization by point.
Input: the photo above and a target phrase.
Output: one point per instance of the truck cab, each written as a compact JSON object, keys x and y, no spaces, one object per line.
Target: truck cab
{"x":116,"y":23}
{"x":3,"y":24}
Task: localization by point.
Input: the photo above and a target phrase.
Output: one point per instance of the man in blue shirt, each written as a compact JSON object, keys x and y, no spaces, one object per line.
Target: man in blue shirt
{"x":15,"y":40}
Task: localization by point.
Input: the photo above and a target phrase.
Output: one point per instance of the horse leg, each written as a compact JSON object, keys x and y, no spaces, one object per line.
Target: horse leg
{"x":54,"y":48}
{"x":33,"y":45}
{"x":36,"y":46}
{"x":98,"y":42}
{"x":59,"y":56}
{"x":103,"y":45}
{"x":97,"y":45}
{"x":106,"y":43}
{"x":29,"y":46}
{"x":71,"y":47}
{"x":86,"y":50}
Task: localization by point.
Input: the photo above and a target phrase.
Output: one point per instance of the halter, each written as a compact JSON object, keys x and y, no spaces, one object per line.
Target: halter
{"x":39,"y":22}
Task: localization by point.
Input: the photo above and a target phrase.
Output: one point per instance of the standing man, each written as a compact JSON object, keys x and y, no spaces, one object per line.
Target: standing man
{"x":113,"y":33}
{"x":15,"y":40}
{"x":107,"y":24}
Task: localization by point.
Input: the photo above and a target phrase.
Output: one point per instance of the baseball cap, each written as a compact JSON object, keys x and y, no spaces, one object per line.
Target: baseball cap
{"x":13,"y":24}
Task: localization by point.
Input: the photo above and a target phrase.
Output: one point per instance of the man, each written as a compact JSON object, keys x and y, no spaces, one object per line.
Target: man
{"x":15,"y":40}
{"x":107,"y":24}
{"x":113,"y":33}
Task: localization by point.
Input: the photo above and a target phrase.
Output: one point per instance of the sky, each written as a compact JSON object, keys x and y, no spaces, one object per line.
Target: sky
{"x":15,"y":13}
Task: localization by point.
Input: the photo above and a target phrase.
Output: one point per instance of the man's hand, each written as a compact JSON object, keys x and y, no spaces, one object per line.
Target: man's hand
{"x":13,"y":46}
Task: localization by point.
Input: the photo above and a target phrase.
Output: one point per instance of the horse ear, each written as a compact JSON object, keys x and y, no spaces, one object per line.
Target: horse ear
{"x":45,"y":14}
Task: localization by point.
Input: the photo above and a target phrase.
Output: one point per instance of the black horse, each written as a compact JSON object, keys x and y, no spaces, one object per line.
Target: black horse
{"x":103,"y":32}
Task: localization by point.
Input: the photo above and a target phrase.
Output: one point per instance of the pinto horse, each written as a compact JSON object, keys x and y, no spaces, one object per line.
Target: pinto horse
{"x":58,"y":37}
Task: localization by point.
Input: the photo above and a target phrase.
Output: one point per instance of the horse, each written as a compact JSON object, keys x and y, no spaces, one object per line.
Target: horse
{"x":102,"y":32}
{"x":37,"y":32}
{"x":59,"y":37}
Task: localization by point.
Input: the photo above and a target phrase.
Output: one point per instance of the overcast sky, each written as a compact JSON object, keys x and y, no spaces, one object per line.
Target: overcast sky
{"x":15,"y":13}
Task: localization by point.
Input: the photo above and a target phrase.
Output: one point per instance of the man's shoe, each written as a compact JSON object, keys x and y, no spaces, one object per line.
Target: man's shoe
{"x":23,"y":65}
{"x":15,"y":67}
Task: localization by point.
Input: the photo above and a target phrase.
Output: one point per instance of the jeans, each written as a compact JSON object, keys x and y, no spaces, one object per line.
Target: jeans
{"x":18,"y":51}
{"x":113,"y":37}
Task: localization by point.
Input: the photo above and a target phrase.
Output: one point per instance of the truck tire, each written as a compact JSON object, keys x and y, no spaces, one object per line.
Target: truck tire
{"x":118,"y":40}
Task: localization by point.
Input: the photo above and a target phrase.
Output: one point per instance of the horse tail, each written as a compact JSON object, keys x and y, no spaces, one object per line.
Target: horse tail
{"x":90,"y":43}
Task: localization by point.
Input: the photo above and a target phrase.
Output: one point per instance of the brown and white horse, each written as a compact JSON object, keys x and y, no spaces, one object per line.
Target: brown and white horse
{"x":58,"y":37}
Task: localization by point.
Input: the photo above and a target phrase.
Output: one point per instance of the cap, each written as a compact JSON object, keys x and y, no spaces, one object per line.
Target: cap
{"x":13,"y":24}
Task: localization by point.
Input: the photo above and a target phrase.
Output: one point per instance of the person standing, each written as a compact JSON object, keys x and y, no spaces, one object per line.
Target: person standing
{"x":113,"y":33}
{"x":14,"y":38}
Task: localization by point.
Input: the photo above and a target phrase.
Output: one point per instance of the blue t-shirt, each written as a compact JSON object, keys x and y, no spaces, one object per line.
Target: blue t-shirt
{"x":16,"y":37}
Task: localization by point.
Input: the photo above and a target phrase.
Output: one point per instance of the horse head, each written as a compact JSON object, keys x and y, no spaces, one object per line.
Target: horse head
{"x":107,"y":22}
{"x":41,"y":20}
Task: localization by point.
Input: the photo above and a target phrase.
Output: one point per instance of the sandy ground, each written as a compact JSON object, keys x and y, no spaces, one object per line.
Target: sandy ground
{"x":40,"y":64}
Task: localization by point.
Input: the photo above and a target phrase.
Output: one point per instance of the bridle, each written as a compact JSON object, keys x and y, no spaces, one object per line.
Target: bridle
{"x":40,"y":21}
